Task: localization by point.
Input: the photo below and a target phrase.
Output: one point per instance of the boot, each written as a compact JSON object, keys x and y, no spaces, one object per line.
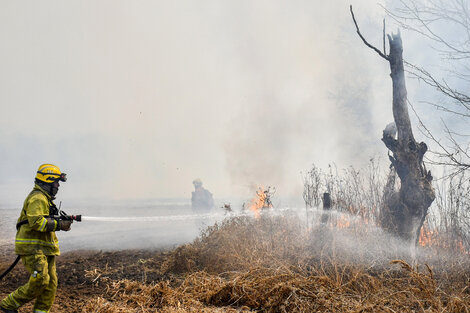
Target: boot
{"x":7,"y":310}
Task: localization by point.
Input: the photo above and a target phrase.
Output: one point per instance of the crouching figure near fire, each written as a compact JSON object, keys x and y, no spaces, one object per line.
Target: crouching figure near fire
{"x":201,"y":199}
{"x":36,"y":243}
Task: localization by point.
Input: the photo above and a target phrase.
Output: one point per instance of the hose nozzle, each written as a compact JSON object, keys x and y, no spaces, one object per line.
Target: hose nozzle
{"x":77,"y":218}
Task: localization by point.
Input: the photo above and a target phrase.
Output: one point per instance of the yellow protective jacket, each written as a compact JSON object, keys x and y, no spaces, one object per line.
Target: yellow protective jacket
{"x":33,"y":238}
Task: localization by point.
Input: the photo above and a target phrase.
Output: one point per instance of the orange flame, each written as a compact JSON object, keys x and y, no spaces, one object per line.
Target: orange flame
{"x":259,"y":202}
{"x":343,"y":222}
{"x":432,"y":238}
{"x":427,"y":237}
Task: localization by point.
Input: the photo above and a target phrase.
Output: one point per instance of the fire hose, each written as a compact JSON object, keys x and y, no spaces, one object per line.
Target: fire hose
{"x":61,"y":216}
{"x":8,"y":270}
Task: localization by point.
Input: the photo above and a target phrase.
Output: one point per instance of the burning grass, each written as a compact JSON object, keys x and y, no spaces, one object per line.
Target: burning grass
{"x":272,"y":264}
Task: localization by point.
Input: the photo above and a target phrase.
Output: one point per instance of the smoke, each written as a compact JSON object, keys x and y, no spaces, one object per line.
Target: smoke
{"x":107,"y":227}
{"x":135,"y":100}
{"x":314,"y":98}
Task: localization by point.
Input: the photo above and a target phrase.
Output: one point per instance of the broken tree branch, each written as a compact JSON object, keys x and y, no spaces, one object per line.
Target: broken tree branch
{"x":363,"y":39}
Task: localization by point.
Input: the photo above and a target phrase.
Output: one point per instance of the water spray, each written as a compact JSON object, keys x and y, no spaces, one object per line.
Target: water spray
{"x":161,"y":218}
{"x":61,"y":215}
{"x":158,"y":218}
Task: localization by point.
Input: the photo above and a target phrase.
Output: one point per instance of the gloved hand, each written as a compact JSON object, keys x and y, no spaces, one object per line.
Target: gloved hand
{"x":64,"y":225}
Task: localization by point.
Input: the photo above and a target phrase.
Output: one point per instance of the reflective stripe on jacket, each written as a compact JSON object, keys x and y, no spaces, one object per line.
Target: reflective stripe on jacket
{"x":33,"y":238}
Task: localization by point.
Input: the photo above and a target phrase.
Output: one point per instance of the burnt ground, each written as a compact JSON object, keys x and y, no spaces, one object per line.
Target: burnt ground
{"x":86,"y":274}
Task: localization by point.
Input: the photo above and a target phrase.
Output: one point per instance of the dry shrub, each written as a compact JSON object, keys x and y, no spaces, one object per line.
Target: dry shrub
{"x":271,"y":265}
{"x":240,"y":243}
{"x":130,"y":296}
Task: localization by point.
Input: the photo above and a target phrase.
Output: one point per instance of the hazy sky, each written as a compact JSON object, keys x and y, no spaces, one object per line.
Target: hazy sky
{"x":135,"y":99}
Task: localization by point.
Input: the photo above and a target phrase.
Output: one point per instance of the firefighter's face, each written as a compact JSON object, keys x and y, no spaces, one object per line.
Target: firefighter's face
{"x":55,"y":188}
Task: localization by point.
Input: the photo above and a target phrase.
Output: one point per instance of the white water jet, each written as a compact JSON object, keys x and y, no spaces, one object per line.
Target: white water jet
{"x":185,"y":217}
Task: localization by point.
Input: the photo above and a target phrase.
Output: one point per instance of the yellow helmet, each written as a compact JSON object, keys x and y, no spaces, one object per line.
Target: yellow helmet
{"x":50,"y":173}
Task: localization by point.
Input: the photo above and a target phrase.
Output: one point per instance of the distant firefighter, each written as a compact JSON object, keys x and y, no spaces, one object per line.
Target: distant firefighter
{"x":201,"y":199}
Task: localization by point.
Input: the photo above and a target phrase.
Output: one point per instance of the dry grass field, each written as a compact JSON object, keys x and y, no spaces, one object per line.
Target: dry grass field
{"x":269,"y":264}
{"x":273,"y":264}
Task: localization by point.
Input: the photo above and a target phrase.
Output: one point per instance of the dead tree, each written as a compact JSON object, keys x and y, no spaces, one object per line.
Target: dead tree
{"x":404,"y":211}
{"x":435,"y":20}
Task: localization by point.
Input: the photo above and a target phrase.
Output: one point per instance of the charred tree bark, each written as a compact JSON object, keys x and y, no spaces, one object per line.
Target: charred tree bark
{"x":404,"y":210}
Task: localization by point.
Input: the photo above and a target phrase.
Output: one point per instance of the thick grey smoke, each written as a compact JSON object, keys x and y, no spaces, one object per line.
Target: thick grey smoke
{"x":135,"y":100}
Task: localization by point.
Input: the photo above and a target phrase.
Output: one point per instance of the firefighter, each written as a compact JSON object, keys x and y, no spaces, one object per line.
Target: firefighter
{"x":36,"y":243}
{"x":201,"y":198}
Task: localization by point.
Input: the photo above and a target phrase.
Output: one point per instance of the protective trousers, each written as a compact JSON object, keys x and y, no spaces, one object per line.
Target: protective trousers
{"x":42,"y":284}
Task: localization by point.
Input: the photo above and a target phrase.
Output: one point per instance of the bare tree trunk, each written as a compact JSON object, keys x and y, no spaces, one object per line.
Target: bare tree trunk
{"x":404,"y":212}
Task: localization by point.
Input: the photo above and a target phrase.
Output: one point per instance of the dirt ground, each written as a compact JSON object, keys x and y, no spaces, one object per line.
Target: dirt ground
{"x":83,"y":274}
